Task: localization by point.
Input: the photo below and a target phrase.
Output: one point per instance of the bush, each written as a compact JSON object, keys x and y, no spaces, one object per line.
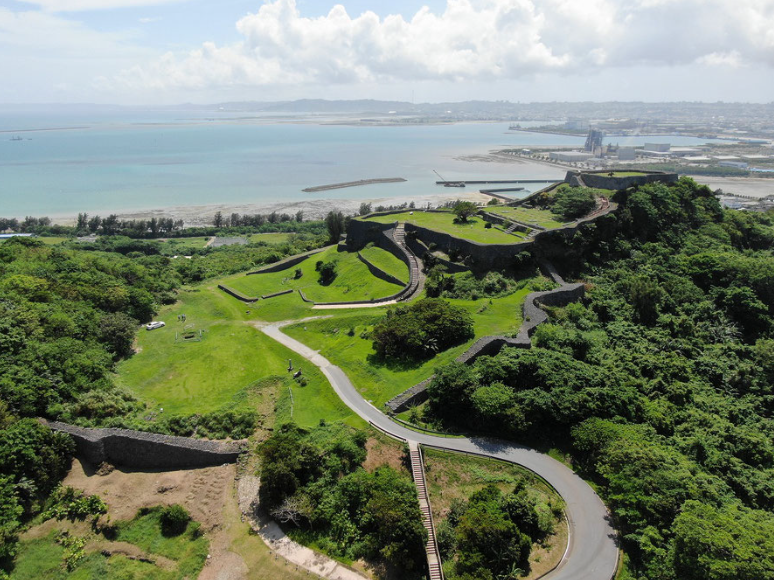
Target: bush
{"x":573,"y":202}
{"x":174,"y":520}
{"x":419,"y":331}
{"x":327,"y":272}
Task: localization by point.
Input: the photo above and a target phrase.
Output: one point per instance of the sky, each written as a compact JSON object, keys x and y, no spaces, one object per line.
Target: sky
{"x":148,"y":52}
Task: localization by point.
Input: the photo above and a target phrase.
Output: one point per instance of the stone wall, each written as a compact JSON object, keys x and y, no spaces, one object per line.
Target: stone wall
{"x":379,"y":273}
{"x":287,"y":262}
{"x":601,"y":180}
{"x":480,"y":257}
{"x":361,"y":232}
{"x":282,"y":293}
{"x":146,"y":450}
{"x":491,"y":345}
{"x":236,"y":294}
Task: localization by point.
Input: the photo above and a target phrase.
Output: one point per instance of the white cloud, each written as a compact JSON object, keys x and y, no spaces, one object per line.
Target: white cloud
{"x":472,"y":40}
{"x":148,"y":20}
{"x":79,"y":5}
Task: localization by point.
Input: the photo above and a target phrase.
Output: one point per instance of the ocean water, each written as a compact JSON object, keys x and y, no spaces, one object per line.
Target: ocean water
{"x":102,"y":163}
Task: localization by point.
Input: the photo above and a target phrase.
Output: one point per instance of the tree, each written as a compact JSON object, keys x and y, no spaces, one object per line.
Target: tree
{"x":365,"y":208}
{"x":573,"y":202}
{"x":334,"y":221}
{"x":117,"y":331}
{"x":299,"y":216}
{"x":327,"y":272}
{"x":464,"y":209}
{"x":83,"y":222}
{"x":217,"y":221}
{"x":422,"y":329}
{"x":727,"y":543}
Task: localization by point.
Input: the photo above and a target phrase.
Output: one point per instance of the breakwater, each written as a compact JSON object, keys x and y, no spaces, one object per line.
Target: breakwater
{"x":353,"y":184}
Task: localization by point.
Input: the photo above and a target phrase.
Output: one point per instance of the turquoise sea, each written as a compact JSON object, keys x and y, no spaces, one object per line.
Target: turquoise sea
{"x":101,"y":163}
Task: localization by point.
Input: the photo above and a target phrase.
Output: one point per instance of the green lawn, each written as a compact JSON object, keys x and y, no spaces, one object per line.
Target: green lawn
{"x":271,"y":238}
{"x":378,"y":381}
{"x":226,"y":367}
{"x":353,"y":281}
{"x":541,"y":217}
{"x":387,"y":262}
{"x":185,"y":555}
{"x":473,"y":230}
{"x":182,"y":245}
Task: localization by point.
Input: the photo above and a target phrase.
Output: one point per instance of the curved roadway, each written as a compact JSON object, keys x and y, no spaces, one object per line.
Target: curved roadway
{"x":592,"y":553}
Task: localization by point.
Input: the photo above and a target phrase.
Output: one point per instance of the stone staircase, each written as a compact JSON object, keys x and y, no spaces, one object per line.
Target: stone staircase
{"x":511,"y":228}
{"x":416,"y":277}
{"x":431,"y":548}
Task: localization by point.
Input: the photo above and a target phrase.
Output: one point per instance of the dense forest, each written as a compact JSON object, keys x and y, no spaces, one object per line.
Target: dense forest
{"x":660,"y":385}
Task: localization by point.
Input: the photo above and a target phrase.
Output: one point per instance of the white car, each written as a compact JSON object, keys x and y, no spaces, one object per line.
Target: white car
{"x":154,"y":325}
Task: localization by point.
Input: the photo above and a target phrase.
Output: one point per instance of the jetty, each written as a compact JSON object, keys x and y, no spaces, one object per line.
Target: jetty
{"x":497,"y":181}
{"x":353,"y":184}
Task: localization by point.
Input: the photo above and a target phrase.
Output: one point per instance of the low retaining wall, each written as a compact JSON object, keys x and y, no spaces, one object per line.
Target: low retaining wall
{"x":287,"y":262}
{"x":267,"y":296}
{"x":146,"y":450}
{"x":379,"y":273}
{"x":236,"y":294}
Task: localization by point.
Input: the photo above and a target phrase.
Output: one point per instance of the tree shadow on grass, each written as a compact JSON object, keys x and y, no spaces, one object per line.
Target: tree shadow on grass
{"x":395,"y":364}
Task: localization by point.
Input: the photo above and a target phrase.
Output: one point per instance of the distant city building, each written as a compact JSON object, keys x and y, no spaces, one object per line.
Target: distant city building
{"x":737,"y":164}
{"x":14,"y":235}
{"x":657,"y":147}
{"x":626,"y":153}
{"x":594,"y":140}
{"x":570,"y":156}
{"x":577,"y":124}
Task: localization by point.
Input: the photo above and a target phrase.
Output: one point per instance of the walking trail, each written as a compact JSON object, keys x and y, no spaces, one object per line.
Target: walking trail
{"x":592,"y":553}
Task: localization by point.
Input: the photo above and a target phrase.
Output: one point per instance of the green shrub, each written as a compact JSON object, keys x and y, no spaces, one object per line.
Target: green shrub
{"x":174,"y":520}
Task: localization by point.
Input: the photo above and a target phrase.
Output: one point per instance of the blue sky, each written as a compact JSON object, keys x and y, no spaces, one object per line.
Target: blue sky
{"x":170,"y":51}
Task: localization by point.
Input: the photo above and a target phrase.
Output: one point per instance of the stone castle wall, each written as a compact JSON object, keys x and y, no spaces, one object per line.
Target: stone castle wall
{"x":146,"y":450}
{"x":601,"y":180}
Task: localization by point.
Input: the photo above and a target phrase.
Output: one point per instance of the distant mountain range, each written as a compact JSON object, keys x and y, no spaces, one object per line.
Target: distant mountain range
{"x":501,"y":110}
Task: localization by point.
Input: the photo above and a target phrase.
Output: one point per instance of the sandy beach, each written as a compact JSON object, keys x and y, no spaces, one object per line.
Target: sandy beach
{"x":202,"y":215}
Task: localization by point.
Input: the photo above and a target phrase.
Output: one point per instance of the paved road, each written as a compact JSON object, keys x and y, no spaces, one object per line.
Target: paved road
{"x":592,"y":553}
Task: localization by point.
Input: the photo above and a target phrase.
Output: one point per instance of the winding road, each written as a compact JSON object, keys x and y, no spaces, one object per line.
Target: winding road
{"x":591,"y":554}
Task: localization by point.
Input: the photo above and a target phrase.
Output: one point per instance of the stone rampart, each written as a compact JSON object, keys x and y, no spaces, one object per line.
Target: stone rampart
{"x":361,"y":232}
{"x":379,"y":273}
{"x":480,"y":257}
{"x":602,"y":179}
{"x":146,"y":450}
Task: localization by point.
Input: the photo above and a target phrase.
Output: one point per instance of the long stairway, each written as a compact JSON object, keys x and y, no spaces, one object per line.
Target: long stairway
{"x":416,"y":277}
{"x":431,"y":548}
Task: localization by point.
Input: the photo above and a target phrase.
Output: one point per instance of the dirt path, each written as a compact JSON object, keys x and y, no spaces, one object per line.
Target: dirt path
{"x":277,"y":541}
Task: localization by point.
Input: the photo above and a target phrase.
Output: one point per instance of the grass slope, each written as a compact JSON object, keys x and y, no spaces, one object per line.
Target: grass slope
{"x":473,"y":230}
{"x":353,"y":281}
{"x":378,"y":381}
{"x":541,"y":217}
{"x":385,"y":261}
{"x":230,"y":361}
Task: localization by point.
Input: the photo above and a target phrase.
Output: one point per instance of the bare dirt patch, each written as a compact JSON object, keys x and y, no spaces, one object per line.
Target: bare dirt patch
{"x":201,"y":491}
{"x":383,"y":451}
